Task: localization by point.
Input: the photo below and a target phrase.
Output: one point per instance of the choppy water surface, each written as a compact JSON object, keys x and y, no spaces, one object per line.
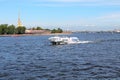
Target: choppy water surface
{"x":33,"y":58}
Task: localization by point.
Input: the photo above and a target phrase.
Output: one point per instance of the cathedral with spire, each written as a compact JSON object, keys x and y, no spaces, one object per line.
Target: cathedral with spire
{"x":19,"y":21}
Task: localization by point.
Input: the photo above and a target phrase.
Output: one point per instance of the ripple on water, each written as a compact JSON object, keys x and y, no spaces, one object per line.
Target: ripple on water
{"x":31,"y":58}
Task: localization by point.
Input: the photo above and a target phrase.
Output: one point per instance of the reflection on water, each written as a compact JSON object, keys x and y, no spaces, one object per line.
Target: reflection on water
{"x":33,"y":58}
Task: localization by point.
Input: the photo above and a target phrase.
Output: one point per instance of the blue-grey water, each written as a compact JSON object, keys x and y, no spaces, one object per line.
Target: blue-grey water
{"x":34,"y":58}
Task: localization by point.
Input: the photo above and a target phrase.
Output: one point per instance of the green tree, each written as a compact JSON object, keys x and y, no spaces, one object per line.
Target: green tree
{"x":20,"y":30}
{"x":0,"y":29}
{"x":11,"y":29}
{"x":57,"y":30}
{"x":3,"y":28}
{"x":53,"y":31}
{"x":33,"y":28}
{"x":39,"y":28}
{"x":47,"y":29}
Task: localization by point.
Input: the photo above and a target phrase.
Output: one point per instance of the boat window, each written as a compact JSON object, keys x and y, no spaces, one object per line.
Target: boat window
{"x":76,"y":40}
{"x":65,"y":39}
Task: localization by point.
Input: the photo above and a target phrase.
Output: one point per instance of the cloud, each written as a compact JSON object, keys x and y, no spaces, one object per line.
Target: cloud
{"x":111,"y":16}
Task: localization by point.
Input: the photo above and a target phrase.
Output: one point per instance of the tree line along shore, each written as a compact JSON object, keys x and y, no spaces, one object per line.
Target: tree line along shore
{"x":6,"y":29}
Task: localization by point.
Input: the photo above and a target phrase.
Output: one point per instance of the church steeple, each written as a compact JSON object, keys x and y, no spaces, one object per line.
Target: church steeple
{"x":19,"y":21}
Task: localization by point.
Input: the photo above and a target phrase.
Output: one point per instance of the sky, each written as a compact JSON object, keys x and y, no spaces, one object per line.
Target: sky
{"x":92,"y":15}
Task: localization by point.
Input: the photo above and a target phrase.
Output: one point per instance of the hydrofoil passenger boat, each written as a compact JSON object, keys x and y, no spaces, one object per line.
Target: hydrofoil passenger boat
{"x":57,"y":40}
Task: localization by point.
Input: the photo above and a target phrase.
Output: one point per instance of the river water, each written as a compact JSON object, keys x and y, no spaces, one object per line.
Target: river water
{"x":34,"y":58}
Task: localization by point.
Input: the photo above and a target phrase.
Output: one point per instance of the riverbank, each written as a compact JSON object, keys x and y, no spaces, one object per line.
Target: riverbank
{"x":16,"y":35}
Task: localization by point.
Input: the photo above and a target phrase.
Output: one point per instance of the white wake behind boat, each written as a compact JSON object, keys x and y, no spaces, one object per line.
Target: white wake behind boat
{"x":57,"y":40}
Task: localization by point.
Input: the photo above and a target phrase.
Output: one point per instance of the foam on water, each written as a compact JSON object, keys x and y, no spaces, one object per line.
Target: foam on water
{"x":86,"y":42}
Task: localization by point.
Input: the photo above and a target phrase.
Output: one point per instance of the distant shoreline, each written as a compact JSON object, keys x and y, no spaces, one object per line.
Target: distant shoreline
{"x":47,"y":34}
{"x":15,"y":35}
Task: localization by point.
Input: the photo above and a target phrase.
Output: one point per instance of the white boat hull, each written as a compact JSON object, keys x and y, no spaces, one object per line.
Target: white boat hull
{"x":64,"y":40}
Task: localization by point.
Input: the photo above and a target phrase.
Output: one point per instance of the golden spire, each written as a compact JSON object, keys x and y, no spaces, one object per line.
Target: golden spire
{"x":19,"y":21}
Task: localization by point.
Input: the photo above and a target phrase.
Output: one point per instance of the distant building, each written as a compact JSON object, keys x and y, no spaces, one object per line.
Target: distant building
{"x":117,"y":30}
{"x":37,"y":32}
{"x":19,"y":21}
